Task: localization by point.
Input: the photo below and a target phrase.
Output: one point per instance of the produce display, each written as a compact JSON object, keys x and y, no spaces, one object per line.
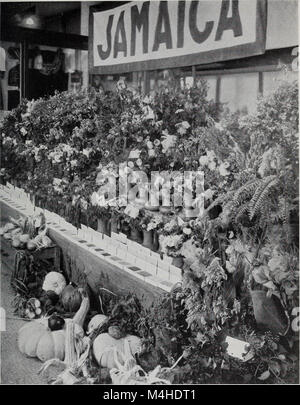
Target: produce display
{"x":239,"y":256}
{"x":27,"y":233}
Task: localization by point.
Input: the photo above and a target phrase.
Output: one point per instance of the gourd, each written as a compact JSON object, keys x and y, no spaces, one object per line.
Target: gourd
{"x":97,"y":321}
{"x":54,"y":281}
{"x":35,"y":339}
{"x":71,"y":298}
{"x":104,"y":345}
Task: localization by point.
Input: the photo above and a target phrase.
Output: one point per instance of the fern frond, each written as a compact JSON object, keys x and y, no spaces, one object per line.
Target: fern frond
{"x":245,"y":192}
{"x":260,"y":196}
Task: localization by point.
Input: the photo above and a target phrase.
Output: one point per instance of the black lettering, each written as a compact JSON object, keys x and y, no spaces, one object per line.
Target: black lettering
{"x":229,"y":23}
{"x":198,"y":36}
{"x":180,"y":24}
{"x":140,"y":20}
{"x":163,"y":19}
{"x":105,"y":54}
{"x":120,"y":46}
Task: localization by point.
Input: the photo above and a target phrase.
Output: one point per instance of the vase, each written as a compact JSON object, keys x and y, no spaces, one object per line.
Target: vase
{"x":155,"y":243}
{"x":135,"y":235}
{"x":114,"y":222}
{"x":178,"y":261}
{"x":268,"y":312}
{"x":102,"y":226}
{"x":165,"y":209}
{"x":148,"y":239}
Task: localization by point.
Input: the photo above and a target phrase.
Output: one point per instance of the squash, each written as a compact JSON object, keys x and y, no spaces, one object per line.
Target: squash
{"x":97,"y":321}
{"x":71,"y":298}
{"x":104,"y":345}
{"x":35,"y":339}
{"x":54,"y":281}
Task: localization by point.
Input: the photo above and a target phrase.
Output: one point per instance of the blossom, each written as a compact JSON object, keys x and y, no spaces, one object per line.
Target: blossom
{"x":168,"y":142}
{"x":149,"y":145}
{"x":187,"y":231}
{"x":74,"y":163}
{"x":139,"y":162}
{"x":151,"y":153}
{"x":219,"y":126}
{"x":87,"y":152}
{"x":98,"y":199}
{"x":223,"y":171}
{"x":23,"y":131}
{"x":203,"y":160}
{"x":134,"y":154}
{"x":130,"y":164}
{"x":208,"y":194}
{"x":156,"y":142}
{"x":212,"y":165}
{"x":132,"y":211}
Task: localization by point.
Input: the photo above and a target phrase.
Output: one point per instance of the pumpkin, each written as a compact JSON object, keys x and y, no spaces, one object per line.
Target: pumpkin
{"x":35,"y":339}
{"x":97,"y":321}
{"x":54,"y":281}
{"x":104,"y":345}
{"x":71,"y":298}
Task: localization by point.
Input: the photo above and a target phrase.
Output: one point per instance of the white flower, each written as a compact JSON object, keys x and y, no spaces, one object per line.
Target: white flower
{"x":223,"y":171}
{"x":212,"y":165}
{"x":132,"y":211}
{"x":74,"y":163}
{"x":130,"y":164}
{"x":208,"y":194}
{"x":87,"y":152}
{"x":134,"y":154}
{"x":149,"y":145}
{"x":203,"y":160}
{"x":97,"y":199}
{"x":187,"y":231}
{"x":179,"y":111}
{"x":168,"y":142}
{"x":23,"y":131}
{"x":218,"y":126}
{"x":185,"y":124}
{"x":151,"y":153}
{"x":148,"y":113}
{"x":139,"y":162}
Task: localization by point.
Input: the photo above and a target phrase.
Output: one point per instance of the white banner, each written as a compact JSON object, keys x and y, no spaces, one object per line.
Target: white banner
{"x":154,"y":34}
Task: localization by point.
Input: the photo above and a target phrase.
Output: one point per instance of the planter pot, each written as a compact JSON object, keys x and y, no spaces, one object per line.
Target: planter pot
{"x":125,"y":229}
{"x":150,"y":207}
{"x":155,"y":243}
{"x":148,"y":239}
{"x":136,"y":235}
{"x":269,"y":312}
{"x":178,"y":261}
{"x":165,"y":209}
{"x":114,"y":224}
{"x":102,"y":226}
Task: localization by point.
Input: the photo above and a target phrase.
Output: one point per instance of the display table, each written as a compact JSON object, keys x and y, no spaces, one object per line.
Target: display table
{"x":83,"y":261}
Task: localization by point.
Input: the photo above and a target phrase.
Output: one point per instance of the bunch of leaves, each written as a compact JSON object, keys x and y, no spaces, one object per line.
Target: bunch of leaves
{"x":125,"y":312}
